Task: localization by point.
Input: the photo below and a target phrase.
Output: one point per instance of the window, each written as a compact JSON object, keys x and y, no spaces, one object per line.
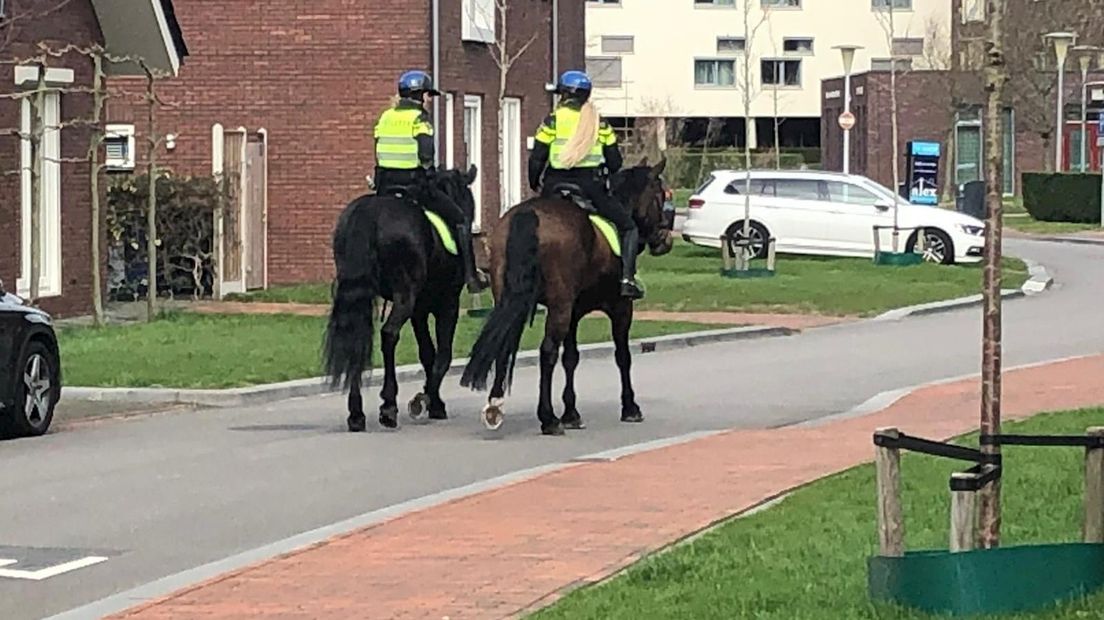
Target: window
{"x":797,"y":189}
{"x":478,"y":21}
{"x":725,"y":3}
{"x":604,"y":71}
{"x":600,"y":2}
{"x":759,"y":187}
{"x":908,"y":47}
{"x":779,"y":72}
{"x":851,"y":194}
{"x":473,"y":145}
{"x":905,"y":5}
{"x":731,"y":45}
{"x":973,"y":11}
{"x":618,"y":45}
{"x":885,"y":64}
{"x":796,"y":45}
{"x":1,"y":8}
{"x":119,"y":144}
{"x":781,"y":4}
{"x":715,"y":73}
{"x":49,"y":224}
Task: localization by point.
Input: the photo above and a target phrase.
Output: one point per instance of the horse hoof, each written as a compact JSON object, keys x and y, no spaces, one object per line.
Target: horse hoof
{"x":573,"y":423}
{"x":417,"y":406}
{"x":357,"y":424}
{"x":440,"y":414}
{"x":632,"y":417}
{"x":554,"y":429}
{"x":389,"y":417}
{"x":493,"y":415}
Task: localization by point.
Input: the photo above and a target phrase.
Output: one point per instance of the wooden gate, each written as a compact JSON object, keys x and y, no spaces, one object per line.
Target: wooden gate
{"x":240,"y":158}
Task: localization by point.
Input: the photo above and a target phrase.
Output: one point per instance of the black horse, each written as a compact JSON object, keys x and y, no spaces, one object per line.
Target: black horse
{"x":546,"y":250}
{"x":384,"y":246}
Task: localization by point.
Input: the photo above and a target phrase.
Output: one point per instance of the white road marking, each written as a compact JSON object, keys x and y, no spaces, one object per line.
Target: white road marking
{"x":50,"y":571}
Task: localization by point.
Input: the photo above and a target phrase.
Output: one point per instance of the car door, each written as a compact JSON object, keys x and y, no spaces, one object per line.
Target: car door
{"x":10,"y":327}
{"x":854,"y":215}
{"x":803,"y":214}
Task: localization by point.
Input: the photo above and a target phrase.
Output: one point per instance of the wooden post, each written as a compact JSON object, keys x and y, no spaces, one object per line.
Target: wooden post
{"x":891,"y":522}
{"x":726,"y":252}
{"x":1094,"y":490}
{"x":963,"y":515}
{"x":770,"y":254}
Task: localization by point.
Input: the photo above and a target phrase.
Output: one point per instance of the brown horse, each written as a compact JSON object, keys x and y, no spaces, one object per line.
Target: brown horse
{"x":547,"y":251}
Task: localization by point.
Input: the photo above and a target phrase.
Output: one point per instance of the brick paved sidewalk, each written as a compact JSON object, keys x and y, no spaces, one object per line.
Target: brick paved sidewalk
{"x":503,"y":552}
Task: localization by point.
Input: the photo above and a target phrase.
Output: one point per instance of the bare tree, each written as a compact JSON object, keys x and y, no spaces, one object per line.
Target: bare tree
{"x":776,"y":94}
{"x":750,"y":31}
{"x":996,"y":74}
{"x":886,"y":17}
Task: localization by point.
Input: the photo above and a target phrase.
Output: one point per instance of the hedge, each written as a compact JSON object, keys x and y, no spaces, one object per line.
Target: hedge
{"x":685,"y":165}
{"x":1061,"y":197}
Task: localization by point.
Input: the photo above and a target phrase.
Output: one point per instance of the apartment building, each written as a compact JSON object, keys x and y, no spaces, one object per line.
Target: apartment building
{"x":684,"y":59}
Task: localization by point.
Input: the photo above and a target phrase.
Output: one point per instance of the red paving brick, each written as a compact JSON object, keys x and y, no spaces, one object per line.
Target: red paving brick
{"x":506,"y":551}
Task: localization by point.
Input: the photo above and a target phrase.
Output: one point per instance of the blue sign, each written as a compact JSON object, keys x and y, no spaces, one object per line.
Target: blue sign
{"x":923,"y":172}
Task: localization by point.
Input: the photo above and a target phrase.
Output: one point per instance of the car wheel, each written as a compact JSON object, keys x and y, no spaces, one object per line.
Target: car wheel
{"x":938,"y":247}
{"x":36,"y":393}
{"x":758,"y":234}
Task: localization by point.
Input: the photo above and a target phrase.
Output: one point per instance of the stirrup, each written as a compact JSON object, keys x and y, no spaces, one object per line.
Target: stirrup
{"x":631,"y":289}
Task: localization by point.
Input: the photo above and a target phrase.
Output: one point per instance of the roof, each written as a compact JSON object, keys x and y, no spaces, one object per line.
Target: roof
{"x":146,"y":29}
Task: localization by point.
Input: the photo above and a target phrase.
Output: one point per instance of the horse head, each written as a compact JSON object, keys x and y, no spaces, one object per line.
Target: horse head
{"x":642,"y":190}
{"x":457,"y":185}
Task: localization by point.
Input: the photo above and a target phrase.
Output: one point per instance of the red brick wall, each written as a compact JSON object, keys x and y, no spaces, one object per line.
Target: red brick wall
{"x":76,"y":24}
{"x":315,"y":76}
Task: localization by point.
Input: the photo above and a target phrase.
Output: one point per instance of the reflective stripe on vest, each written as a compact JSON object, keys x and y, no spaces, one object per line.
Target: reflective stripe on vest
{"x":567,"y":120}
{"x":396,"y":144}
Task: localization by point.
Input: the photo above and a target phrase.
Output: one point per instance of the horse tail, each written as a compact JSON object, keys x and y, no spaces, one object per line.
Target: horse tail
{"x":501,"y":334}
{"x":350,"y":331}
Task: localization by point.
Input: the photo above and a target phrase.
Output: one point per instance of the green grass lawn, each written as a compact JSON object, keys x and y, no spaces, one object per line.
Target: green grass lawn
{"x":687,"y":280}
{"x":805,"y":559}
{"x":221,"y":351}
{"x":1028,"y":224}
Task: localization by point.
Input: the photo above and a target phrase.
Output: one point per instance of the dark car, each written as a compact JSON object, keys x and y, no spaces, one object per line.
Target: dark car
{"x":30,"y":368}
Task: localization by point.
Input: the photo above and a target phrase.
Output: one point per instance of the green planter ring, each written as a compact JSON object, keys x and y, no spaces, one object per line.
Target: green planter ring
{"x":987,"y":581}
{"x":898,"y":259}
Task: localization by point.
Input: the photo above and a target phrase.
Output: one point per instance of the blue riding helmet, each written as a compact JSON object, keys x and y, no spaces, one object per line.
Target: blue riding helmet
{"x":575,"y":84}
{"x":414,"y":83}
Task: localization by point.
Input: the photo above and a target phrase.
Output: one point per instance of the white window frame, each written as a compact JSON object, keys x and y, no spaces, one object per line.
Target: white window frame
{"x":123,"y":133}
{"x":478,"y":21}
{"x":474,"y":153}
{"x":450,"y":131}
{"x":511,"y":165}
{"x":49,"y":284}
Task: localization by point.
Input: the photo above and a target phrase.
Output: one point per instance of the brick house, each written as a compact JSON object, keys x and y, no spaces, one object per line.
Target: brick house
{"x":284,"y":94}
{"x":947,"y":106}
{"x":123,"y":28}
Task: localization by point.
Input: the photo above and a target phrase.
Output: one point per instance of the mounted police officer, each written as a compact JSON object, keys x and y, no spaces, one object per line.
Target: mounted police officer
{"x":575,"y":146}
{"x":405,"y":156}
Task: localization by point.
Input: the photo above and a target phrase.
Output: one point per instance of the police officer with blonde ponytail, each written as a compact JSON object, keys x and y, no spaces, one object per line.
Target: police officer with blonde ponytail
{"x":405,"y":156}
{"x":572,"y":145}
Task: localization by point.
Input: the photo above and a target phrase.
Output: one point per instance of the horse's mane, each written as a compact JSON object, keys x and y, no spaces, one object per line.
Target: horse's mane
{"x":631,"y":181}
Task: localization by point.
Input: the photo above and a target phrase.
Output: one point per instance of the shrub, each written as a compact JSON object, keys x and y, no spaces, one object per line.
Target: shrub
{"x":1060,"y":197}
{"x":186,"y":208}
{"x":688,"y":167}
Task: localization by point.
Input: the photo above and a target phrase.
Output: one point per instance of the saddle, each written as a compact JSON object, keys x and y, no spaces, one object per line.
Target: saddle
{"x":572,"y":193}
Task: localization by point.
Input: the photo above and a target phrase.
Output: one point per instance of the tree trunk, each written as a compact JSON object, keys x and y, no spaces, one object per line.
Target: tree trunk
{"x":995,"y":77}
{"x":94,"y":184}
{"x":38,"y":139}
{"x":777,"y":142}
{"x":503,"y":74}
{"x":747,"y":120}
{"x":896,"y":129}
{"x":151,"y":206}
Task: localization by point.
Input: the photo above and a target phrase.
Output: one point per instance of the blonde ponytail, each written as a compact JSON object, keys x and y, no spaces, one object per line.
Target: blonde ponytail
{"x":586,"y":134}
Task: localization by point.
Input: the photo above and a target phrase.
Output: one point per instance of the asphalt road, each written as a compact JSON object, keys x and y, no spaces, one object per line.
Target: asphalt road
{"x":162,"y":494}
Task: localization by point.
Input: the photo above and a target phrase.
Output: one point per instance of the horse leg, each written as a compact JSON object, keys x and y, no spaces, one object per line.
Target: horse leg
{"x":357,"y":422}
{"x":426,"y":355}
{"x":555,"y":330}
{"x":445,"y":324}
{"x":571,"y":418}
{"x":494,"y":412}
{"x":401,"y":310}
{"x":621,"y":315}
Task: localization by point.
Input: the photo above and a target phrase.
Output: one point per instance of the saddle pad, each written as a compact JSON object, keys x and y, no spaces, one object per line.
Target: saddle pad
{"x":438,"y":223}
{"x":609,"y":231}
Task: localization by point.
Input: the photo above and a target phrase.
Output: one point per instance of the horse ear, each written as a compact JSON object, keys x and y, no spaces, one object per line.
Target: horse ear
{"x":659,"y":168}
{"x":469,"y":178}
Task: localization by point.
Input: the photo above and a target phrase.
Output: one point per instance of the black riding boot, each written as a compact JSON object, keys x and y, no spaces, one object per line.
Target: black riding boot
{"x":630,"y":240}
{"x":467,"y":255}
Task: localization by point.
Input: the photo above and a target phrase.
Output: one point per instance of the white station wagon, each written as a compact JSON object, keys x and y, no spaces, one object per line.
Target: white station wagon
{"x":825,"y":213}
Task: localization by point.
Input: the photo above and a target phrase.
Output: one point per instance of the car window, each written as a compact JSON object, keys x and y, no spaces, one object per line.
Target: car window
{"x":759,"y":187}
{"x":799,"y":189}
{"x":847,"y":193}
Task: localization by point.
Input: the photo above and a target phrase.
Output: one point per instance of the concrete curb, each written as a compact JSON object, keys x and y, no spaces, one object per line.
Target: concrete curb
{"x":1039,"y":281}
{"x":1076,"y":240}
{"x":261,"y":394}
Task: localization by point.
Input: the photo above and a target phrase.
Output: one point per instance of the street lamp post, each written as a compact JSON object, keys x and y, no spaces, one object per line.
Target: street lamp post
{"x":1085,"y":57}
{"x":848,"y":54}
{"x":1062,"y":42}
